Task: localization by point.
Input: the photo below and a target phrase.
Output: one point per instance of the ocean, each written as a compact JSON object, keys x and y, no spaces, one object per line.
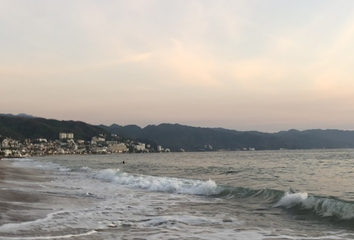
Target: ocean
{"x":285,"y":194}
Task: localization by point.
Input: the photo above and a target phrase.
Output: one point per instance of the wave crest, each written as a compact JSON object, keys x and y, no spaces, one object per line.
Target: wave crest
{"x":291,"y":199}
{"x":321,"y":206}
{"x":160,"y":184}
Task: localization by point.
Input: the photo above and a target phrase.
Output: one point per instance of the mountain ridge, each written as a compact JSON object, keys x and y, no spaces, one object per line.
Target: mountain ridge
{"x":176,"y":137}
{"x":21,"y":128}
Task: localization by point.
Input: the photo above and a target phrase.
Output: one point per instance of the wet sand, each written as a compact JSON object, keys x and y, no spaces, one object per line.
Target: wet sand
{"x":23,"y":199}
{"x":18,"y":193}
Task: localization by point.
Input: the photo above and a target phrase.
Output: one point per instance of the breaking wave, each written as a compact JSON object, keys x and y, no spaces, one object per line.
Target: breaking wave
{"x":160,"y":184}
{"x":295,"y":203}
{"x":298,"y":203}
{"x":326,"y":207}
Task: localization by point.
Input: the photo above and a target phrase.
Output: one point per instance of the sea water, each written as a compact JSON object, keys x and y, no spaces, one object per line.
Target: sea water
{"x":299,"y":194}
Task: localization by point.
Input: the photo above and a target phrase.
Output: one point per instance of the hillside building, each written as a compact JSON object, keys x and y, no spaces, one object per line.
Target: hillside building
{"x":66,"y":135}
{"x":118,"y":148}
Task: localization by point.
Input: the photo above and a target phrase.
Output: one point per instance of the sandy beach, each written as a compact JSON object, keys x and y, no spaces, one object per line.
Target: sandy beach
{"x":18,"y":193}
{"x":23,"y":199}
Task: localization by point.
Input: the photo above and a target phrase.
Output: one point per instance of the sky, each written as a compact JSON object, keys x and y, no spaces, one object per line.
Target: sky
{"x":265,"y":65}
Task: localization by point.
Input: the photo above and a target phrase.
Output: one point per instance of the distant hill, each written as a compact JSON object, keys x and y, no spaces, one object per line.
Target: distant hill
{"x":175,"y":137}
{"x":18,"y":127}
{"x":22,"y":115}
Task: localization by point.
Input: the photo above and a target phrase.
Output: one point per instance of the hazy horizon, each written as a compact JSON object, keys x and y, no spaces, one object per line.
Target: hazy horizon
{"x":242,"y":64}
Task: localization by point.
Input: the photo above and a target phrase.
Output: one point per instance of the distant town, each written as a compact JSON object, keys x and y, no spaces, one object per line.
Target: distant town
{"x":65,"y":144}
{"x":30,"y":136}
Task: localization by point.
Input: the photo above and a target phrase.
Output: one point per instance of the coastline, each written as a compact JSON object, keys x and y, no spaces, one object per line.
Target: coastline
{"x":24,"y":199}
{"x":19,"y":194}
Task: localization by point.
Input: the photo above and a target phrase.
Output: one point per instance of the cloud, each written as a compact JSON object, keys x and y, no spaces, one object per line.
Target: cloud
{"x":129,"y":59}
{"x":189,"y":64}
{"x":256,"y":73}
{"x":181,"y":57}
{"x":331,"y":72}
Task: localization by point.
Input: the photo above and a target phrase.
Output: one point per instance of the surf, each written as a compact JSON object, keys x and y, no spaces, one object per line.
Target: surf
{"x":324,"y":207}
{"x":158,"y":184}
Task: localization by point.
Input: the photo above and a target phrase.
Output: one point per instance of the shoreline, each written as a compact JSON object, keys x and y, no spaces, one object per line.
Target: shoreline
{"x":19,"y":194}
{"x":24,"y":199}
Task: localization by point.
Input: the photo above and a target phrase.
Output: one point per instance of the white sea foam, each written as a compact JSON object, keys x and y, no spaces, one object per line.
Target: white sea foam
{"x":68,"y":236}
{"x":127,"y":206}
{"x":291,"y":199}
{"x":11,"y":226}
{"x":17,"y":159}
{"x":85,"y":168}
{"x":30,"y":163}
{"x":118,"y":207}
{"x":160,"y":184}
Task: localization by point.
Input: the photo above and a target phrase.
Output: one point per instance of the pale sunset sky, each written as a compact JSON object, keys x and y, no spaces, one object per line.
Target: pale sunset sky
{"x":266,"y":65}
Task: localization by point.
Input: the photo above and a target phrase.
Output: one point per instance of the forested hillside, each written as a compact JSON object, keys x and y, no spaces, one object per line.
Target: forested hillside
{"x":175,"y":137}
{"x":24,"y":127}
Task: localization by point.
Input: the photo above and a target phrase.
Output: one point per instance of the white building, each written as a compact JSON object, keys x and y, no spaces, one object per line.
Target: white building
{"x":66,"y":135}
{"x":6,"y":143}
{"x":95,"y":140}
{"x":70,"y":135}
{"x":119,"y":148}
{"x":62,"y":135}
{"x":140,"y":147}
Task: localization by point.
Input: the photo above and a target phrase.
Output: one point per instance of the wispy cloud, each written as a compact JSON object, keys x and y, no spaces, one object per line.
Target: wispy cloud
{"x":292,"y":62}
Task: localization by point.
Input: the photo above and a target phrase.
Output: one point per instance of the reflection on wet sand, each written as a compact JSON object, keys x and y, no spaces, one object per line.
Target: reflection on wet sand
{"x":23,"y":200}
{"x":15,"y":193}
